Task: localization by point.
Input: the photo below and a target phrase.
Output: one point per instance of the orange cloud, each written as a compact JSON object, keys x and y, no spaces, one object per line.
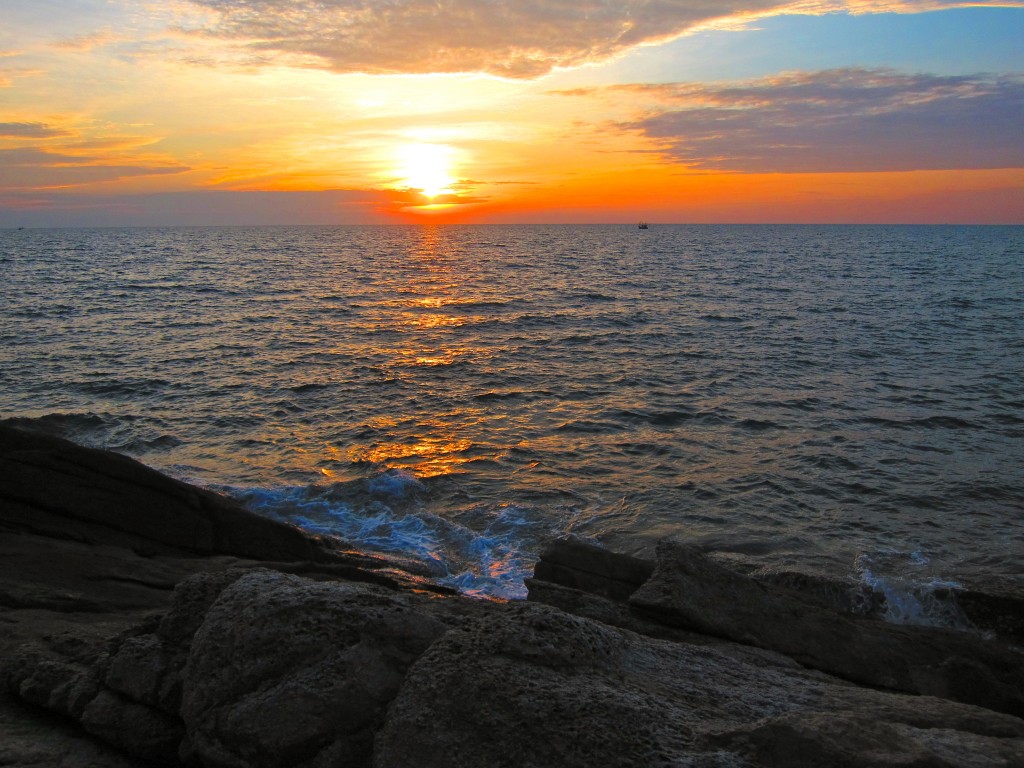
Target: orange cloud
{"x":30,"y":130}
{"x":508,"y":38}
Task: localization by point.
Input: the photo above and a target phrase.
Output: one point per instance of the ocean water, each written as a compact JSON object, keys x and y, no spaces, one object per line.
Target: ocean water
{"x":840,"y":400}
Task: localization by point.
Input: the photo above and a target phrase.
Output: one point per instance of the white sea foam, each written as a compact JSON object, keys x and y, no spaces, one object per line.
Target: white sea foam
{"x":912,"y":594}
{"x":383,"y":514}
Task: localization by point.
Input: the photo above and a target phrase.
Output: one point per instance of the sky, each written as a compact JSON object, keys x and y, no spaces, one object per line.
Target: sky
{"x":241,"y":112}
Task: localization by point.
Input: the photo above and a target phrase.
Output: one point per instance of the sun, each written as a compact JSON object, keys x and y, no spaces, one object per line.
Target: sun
{"x":427,"y":168}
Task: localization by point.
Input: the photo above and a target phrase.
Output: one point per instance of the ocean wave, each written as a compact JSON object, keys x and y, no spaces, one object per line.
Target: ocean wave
{"x":929,"y":422}
{"x":485,"y":550}
{"x":499,"y":395}
{"x":585,"y":426}
{"x":309,"y":387}
{"x":121,"y":387}
{"x":132,"y":435}
{"x":759,"y":425}
{"x":592,"y":296}
{"x":720,"y":318}
{"x":910,"y":593}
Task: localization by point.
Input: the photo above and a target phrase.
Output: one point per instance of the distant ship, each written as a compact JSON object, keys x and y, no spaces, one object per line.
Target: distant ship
{"x":642,"y":225}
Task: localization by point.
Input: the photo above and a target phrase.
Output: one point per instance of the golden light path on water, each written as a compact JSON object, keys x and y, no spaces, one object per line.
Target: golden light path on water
{"x":439,"y":447}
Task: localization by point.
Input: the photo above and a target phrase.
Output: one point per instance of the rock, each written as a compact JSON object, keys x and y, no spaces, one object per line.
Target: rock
{"x":248,"y":667}
{"x":53,"y":487}
{"x":835,"y":594}
{"x":289,"y":672}
{"x":30,"y":739}
{"x":252,"y":645}
{"x":533,"y":686}
{"x":588,"y":567}
{"x":690,"y":590}
{"x":60,"y":680}
{"x":801,"y":739}
{"x":994,"y":606}
{"x":92,"y":544}
{"x":138,"y":730}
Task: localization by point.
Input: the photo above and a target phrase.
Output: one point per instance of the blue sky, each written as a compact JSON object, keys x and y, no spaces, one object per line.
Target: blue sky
{"x":957,"y":41}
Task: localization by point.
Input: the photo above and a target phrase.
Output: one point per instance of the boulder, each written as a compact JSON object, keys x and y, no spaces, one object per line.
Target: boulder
{"x":53,"y":487}
{"x":588,"y":567}
{"x":533,"y":686}
{"x":692,"y":591}
{"x":994,"y":605}
{"x":288,"y":672}
{"x":248,"y":667}
{"x":253,"y":645}
{"x":92,"y":545}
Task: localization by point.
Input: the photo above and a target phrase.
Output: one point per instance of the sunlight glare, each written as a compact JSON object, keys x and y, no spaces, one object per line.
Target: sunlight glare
{"x":427,"y":168}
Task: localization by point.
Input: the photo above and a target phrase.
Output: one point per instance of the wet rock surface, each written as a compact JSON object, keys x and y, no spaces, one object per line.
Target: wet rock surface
{"x":690,"y":590}
{"x":537,"y":686}
{"x":125,"y":642}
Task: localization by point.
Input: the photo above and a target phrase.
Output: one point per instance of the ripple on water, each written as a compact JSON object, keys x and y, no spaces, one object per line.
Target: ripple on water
{"x":814,"y":392}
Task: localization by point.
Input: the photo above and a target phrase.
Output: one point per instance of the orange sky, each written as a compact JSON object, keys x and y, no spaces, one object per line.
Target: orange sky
{"x":225,"y":112}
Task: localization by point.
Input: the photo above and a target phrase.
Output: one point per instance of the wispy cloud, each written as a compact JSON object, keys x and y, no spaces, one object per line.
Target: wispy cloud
{"x":8,"y":75}
{"x":36,"y":168}
{"x":508,"y":38}
{"x":836,"y":120}
{"x":30,"y":131}
{"x":88,"y":42}
{"x":194,"y":207}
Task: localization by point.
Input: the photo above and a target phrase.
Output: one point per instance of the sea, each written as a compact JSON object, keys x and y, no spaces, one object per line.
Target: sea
{"x":846,"y":401}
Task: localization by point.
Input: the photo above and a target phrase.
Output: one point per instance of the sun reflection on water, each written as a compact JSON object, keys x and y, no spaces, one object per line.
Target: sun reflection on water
{"x":430,"y":455}
{"x":432,"y":289}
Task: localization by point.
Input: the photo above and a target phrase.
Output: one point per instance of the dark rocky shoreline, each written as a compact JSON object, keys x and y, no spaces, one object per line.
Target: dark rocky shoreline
{"x":147,"y":622}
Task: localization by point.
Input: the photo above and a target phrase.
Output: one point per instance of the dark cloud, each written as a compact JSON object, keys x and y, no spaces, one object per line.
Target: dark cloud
{"x":838,"y":120}
{"x":35,"y":168}
{"x":30,"y":130}
{"x":208,"y":207}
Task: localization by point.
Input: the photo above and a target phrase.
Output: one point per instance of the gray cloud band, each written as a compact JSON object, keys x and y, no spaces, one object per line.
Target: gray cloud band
{"x":836,"y":120}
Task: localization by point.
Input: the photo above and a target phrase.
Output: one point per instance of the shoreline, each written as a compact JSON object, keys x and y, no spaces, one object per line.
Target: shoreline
{"x":176,"y":628}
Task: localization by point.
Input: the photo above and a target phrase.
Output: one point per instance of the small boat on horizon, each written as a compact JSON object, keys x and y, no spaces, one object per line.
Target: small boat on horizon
{"x":642,"y":225}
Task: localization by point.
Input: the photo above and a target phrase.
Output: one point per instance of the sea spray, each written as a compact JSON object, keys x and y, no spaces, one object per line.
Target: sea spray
{"x":911,"y":595}
{"x":485,"y":549}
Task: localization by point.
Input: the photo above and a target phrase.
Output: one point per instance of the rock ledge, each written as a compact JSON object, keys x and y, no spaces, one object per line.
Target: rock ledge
{"x":159,"y":624}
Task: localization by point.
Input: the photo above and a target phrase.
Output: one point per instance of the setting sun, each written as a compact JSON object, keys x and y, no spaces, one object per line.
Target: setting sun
{"x":426,"y":168}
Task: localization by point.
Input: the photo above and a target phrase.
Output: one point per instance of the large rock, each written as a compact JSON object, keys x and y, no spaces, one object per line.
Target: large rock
{"x":215,"y":651}
{"x":93,"y":543}
{"x":588,"y":567}
{"x":247,"y":668}
{"x":268,"y":670}
{"x":53,"y":487}
{"x":692,"y":591}
{"x":994,"y":605}
{"x":287,"y":672}
{"x":534,"y":686}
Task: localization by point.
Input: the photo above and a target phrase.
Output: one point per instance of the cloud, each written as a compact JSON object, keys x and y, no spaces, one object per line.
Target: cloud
{"x":30,"y":131}
{"x":203,"y":207}
{"x":34,"y":168}
{"x":836,"y":120}
{"x":508,"y":38}
{"x":9,"y":74}
{"x":88,"y":42}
